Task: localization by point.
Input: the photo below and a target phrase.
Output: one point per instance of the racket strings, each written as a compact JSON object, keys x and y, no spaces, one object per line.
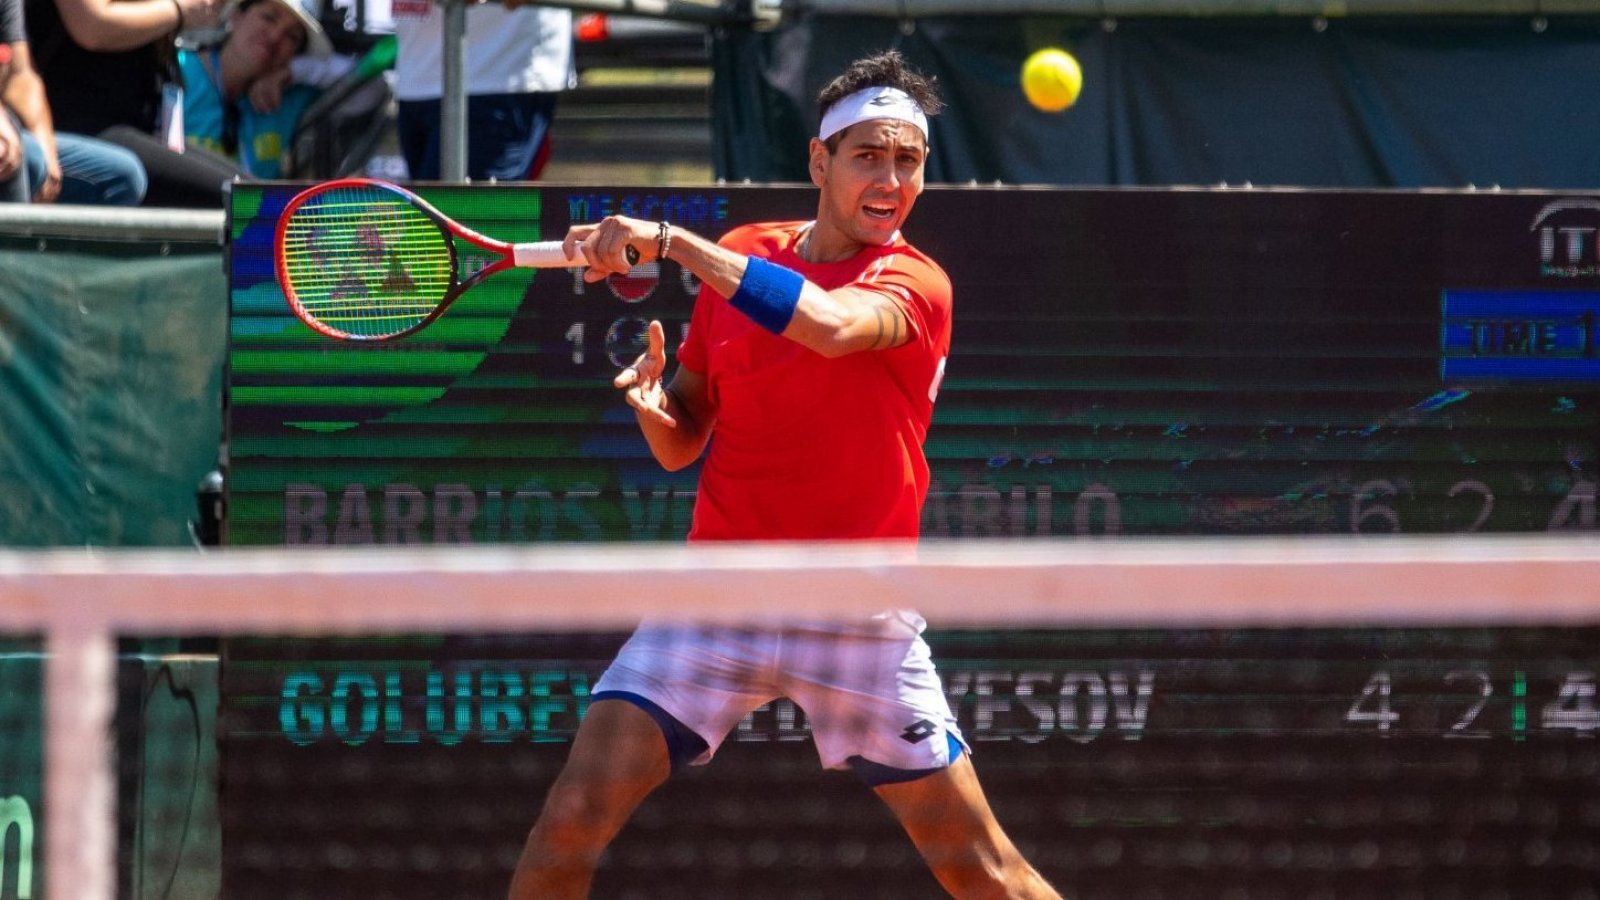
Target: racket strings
{"x":366,"y":262}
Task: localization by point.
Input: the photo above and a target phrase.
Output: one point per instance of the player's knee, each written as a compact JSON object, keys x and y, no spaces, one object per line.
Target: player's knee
{"x":579,"y":814}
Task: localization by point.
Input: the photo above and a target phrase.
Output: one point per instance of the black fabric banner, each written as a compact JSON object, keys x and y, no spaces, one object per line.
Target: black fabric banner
{"x":1359,"y":102}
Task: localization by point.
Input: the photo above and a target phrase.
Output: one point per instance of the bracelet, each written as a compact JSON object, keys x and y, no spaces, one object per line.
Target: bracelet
{"x":768,"y":293}
{"x":663,"y":240}
{"x":181,"y":24}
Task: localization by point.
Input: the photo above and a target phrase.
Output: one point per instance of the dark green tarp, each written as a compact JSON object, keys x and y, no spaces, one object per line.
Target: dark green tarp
{"x":111,"y":357}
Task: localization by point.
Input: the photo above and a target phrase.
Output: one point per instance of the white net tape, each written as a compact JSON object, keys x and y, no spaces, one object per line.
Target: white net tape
{"x":82,"y":600}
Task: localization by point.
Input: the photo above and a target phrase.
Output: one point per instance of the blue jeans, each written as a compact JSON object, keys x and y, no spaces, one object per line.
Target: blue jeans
{"x":507,"y":136}
{"x":15,"y":188}
{"x":93,"y":171}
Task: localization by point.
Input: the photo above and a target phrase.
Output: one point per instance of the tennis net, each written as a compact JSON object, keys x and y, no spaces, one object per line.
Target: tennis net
{"x":1258,"y":718}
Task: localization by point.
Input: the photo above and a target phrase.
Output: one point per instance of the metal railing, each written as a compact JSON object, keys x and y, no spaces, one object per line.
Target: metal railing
{"x":912,"y":9}
{"x":110,"y":223}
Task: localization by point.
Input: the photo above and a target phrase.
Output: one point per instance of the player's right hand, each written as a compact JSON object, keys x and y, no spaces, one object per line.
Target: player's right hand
{"x":644,"y":381}
{"x":610,"y":246}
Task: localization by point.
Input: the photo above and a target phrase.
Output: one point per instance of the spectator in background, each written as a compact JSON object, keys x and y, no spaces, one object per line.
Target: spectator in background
{"x":518,"y":58}
{"x":239,"y":99}
{"x":110,"y":68}
{"x":36,"y":163}
{"x":106,"y":62}
{"x":13,"y":177}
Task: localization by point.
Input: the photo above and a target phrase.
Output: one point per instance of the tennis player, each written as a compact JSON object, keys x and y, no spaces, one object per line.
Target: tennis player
{"x":814,"y":354}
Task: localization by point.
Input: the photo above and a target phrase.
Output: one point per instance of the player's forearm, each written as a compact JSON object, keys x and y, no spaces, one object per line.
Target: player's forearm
{"x":832,"y":324}
{"x":837,"y":323}
{"x":715,"y":266}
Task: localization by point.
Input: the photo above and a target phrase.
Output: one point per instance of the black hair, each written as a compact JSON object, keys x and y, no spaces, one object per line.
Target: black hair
{"x":885,"y":69}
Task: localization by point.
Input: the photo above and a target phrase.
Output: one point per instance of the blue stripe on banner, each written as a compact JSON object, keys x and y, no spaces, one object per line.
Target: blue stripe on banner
{"x":1551,"y":304}
{"x":1522,"y":335}
{"x":1510,"y":370}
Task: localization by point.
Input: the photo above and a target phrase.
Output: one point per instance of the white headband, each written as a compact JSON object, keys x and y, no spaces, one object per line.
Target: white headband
{"x":872,"y":103}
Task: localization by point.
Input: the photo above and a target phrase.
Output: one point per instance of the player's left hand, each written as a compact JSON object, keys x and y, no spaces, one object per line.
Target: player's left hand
{"x":606,"y":245}
{"x":644,"y":380}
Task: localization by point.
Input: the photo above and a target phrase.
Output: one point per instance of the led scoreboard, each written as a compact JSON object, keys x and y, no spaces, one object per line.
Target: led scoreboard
{"x":1342,"y":764}
{"x":1125,"y":362}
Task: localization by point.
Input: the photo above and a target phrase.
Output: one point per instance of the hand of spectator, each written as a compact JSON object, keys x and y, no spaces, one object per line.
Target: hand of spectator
{"x":266,"y":92}
{"x":10,"y":147}
{"x":199,"y":14}
{"x":51,"y":188}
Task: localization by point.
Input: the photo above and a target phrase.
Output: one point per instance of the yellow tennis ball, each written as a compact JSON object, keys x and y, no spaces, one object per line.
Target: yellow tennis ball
{"x":1051,"y":79}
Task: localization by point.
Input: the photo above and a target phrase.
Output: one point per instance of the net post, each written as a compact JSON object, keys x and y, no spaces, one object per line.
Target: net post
{"x":80,"y":691}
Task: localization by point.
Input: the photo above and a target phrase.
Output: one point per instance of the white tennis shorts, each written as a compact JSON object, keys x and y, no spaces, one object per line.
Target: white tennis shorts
{"x":871,"y":692}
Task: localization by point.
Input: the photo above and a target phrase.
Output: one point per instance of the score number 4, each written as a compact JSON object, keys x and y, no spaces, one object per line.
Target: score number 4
{"x":1573,"y":708}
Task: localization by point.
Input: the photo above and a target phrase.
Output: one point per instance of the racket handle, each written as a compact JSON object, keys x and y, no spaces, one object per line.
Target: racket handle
{"x":543,"y":255}
{"x":548,"y":255}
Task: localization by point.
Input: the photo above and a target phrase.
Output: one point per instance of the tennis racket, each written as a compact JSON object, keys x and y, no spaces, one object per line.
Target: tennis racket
{"x":365,"y":260}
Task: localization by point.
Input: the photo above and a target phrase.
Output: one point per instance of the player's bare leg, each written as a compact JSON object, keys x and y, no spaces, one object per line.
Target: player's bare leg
{"x":618,"y":757}
{"x":951,"y":824}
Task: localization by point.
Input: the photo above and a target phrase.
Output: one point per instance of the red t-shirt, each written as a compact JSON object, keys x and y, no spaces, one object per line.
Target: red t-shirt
{"x":809,"y":448}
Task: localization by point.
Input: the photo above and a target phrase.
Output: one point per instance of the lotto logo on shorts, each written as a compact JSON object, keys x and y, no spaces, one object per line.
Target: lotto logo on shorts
{"x":919,"y":732}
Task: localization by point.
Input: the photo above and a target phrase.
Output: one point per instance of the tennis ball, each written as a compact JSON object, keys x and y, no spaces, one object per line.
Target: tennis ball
{"x":1051,"y":79}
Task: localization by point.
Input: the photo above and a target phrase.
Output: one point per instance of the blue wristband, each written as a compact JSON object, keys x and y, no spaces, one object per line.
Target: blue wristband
{"x":768,"y":294}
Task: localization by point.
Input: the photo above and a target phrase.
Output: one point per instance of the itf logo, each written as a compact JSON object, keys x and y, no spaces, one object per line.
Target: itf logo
{"x":15,"y":814}
{"x":1568,"y":235}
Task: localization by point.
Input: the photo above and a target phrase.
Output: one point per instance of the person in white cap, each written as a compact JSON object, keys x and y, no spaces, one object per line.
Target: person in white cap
{"x":814,"y":354}
{"x":219,"y":115}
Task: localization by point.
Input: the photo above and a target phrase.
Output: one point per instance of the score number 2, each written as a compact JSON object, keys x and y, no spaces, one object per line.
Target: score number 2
{"x":1372,"y":509}
{"x":1573,"y":708}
